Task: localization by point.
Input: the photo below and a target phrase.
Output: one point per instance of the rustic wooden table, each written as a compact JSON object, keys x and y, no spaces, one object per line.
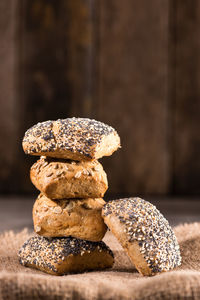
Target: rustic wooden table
{"x":16,"y":212}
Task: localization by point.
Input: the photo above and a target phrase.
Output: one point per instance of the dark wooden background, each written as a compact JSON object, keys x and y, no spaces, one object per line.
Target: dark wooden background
{"x":132,"y":64}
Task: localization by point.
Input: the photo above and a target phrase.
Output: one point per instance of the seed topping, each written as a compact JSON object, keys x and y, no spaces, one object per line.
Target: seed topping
{"x":145,"y":224}
{"x":77,"y":135}
{"x":47,"y":252}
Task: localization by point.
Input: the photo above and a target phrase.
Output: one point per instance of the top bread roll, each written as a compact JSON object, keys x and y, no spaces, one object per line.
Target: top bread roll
{"x":71,"y":138}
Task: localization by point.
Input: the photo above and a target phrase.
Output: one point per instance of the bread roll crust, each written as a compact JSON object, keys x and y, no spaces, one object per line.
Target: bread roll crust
{"x":144,"y":233}
{"x":59,"y":256}
{"x":71,"y":138}
{"x":80,"y":218}
{"x":59,"y":179}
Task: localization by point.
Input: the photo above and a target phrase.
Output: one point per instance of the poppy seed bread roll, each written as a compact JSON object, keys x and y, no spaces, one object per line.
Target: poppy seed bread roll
{"x":71,"y":138}
{"x":59,"y":256}
{"x":144,"y":233}
{"x":61,"y":179}
{"x":80,"y":218}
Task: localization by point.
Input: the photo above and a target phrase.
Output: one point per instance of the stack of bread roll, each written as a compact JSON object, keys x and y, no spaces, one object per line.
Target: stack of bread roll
{"x":70,"y":214}
{"x":67,"y":213}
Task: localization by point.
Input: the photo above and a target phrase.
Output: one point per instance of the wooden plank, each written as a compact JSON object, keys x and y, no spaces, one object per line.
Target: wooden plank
{"x":133,"y":93}
{"x":187,"y":95}
{"x":8,"y":96}
{"x":56,"y":54}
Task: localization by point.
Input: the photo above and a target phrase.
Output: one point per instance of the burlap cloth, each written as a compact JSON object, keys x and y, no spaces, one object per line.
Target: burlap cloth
{"x":122,"y":282}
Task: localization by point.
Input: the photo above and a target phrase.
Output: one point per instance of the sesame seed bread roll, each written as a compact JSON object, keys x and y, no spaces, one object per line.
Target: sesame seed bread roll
{"x":59,"y":179}
{"x":80,"y":218}
{"x":144,"y":233}
{"x":59,"y":256}
{"x":71,"y":138}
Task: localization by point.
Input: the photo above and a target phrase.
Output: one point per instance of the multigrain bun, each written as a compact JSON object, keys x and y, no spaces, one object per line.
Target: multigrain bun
{"x":71,"y":138}
{"x":144,"y":233}
{"x":80,"y":218}
{"x":59,"y":179}
{"x":59,"y":256}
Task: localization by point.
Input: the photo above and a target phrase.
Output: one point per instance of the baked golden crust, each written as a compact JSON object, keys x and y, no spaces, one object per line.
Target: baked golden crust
{"x":144,"y":233}
{"x":59,"y":256}
{"x":80,"y":218}
{"x":71,"y":138}
{"x":59,"y":179}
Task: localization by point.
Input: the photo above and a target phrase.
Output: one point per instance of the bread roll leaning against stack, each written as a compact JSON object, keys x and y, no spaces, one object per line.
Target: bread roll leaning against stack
{"x":144,"y":234}
{"x":67,"y":213}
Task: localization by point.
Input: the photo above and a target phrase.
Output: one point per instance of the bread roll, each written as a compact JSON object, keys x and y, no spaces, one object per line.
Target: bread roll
{"x":144,"y":233}
{"x":59,"y":179}
{"x":71,"y":138}
{"x":80,"y":218}
{"x":59,"y":256}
